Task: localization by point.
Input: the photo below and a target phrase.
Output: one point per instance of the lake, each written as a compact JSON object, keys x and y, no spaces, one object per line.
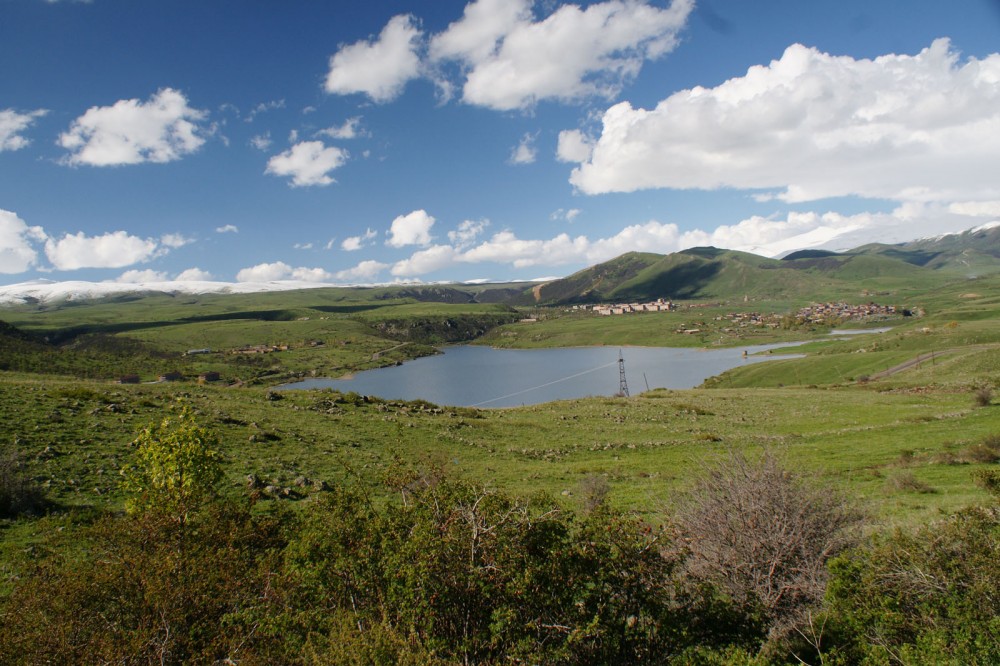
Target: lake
{"x":476,"y":376}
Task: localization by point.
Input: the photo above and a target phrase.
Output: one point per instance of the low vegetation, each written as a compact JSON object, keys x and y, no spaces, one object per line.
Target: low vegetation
{"x":839,"y":508}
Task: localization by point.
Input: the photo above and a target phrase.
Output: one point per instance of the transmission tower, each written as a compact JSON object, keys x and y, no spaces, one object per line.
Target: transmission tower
{"x":622,"y":384}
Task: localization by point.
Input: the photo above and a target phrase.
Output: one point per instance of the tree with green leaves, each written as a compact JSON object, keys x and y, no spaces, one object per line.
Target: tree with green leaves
{"x":177,"y":467}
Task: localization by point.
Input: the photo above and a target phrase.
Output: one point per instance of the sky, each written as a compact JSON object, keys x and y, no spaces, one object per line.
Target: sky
{"x":384,"y":141}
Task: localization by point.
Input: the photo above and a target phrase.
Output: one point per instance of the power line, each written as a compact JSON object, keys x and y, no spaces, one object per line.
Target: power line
{"x":533,"y":388}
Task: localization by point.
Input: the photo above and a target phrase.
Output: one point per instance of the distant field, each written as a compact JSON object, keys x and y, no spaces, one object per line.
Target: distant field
{"x":902,"y":444}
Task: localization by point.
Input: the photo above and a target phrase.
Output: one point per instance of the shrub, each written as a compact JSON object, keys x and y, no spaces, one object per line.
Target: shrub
{"x":147,"y":589}
{"x":906,"y":482}
{"x":983,"y":396}
{"x":980,"y":453}
{"x":18,"y":493}
{"x":764,"y":536}
{"x":921,"y":598}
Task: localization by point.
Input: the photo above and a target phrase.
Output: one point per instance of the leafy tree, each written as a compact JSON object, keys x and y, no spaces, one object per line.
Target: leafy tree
{"x":176,"y":467}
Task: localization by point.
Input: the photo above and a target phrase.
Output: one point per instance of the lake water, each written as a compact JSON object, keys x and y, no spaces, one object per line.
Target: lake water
{"x":476,"y":376}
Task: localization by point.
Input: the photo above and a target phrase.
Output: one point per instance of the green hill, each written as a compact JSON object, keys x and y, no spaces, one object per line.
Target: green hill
{"x":712,"y":273}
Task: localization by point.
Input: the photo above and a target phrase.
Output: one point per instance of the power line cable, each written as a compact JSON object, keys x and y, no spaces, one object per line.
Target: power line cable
{"x":556,"y":381}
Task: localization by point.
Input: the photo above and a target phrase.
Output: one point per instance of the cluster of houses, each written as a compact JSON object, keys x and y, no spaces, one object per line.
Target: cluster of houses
{"x":823,"y":312}
{"x":658,"y":305}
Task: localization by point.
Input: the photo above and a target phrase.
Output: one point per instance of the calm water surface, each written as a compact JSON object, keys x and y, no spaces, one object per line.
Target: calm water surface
{"x":471,"y":375}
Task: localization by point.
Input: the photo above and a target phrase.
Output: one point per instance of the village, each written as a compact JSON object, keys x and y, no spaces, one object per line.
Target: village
{"x":818,"y":313}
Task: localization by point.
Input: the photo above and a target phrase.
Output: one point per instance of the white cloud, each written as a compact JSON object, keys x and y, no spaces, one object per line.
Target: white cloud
{"x":261,"y":142}
{"x":378,"y":68}
{"x":302,"y":246}
{"x":574,"y":146}
{"x":163,"y":129}
{"x":264,"y":107}
{"x":366,"y":270}
{"x":513,"y":62}
{"x":351,"y":129}
{"x":227,"y":229}
{"x":525,"y":151}
{"x":467,"y":232}
{"x":175,"y":241}
{"x":812,"y":125}
{"x":976,"y":208}
{"x":311,"y":275}
{"x":12,"y":124}
{"x":411,"y":229}
{"x":568,"y":215}
{"x":17,"y":253}
{"x":474,"y":37}
{"x":194,"y":275}
{"x":139,"y":277}
{"x":426,"y":261}
{"x":307,"y":163}
{"x":111,"y":250}
{"x":279,"y":270}
{"x":355,"y":243}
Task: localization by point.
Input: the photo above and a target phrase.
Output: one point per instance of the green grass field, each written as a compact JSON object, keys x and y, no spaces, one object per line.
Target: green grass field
{"x":897,"y":443}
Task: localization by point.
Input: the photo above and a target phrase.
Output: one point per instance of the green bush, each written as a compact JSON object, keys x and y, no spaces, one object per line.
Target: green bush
{"x":18,"y":494}
{"x":928,"y":597}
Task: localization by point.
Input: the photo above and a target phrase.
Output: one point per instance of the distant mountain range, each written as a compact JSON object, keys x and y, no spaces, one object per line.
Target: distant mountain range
{"x":705,"y":272}
{"x":708,"y":272}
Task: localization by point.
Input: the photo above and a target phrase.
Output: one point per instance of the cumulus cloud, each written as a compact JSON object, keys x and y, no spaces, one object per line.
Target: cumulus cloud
{"x":525,"y":151}
{"x":175,"y":241}
{"x":264,"y":107}
{"x":139,"y":277}
{"x":12,"y":124}
{"x":511,"y":61}
{"x":574,"y":146}
{"x":311,"y":275}
{"x":111,"y":250}
{"x":17,"y":252}
{"x":307,"y":163}
{"x":411,"y":229}
{"x":426,"y":261}
{"x":350,"y":129}
{"x":261,"y":142}
{"x":163,"y":129}
{"x":467,"y":232}
{"x":227,"y":229}
{"x":567,"y":215}
{"x":279,"y":270}
{"x":812,"y":125}
{"x":366,"y":270}
{"x":194,"y":275}
{"x":355,"y":243}
{"x":379,"y":68}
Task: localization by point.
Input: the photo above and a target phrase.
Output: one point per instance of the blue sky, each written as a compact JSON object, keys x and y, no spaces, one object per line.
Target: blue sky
{"x":347,"y":142}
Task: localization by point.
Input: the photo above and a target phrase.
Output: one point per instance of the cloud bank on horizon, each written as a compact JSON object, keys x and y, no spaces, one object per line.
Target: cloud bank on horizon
{"x":558,"y":127}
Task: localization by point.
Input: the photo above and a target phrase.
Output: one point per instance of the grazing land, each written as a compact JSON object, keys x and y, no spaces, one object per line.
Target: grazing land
{"x":902,"y":424}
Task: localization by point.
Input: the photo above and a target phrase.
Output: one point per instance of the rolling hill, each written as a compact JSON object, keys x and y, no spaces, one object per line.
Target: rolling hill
{"x":712,"y":273}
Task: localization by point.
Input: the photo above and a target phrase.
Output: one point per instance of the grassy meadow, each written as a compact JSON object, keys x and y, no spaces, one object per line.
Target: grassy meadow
{"x":903,"y":424}
{"x":898,"y":443}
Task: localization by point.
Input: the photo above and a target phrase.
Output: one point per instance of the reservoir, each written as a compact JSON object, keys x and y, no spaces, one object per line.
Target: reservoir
{"x":476,"y":376}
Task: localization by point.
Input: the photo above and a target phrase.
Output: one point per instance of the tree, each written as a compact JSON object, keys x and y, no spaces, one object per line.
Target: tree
{"x":764,"y":536}
{"x":175,"y":469}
